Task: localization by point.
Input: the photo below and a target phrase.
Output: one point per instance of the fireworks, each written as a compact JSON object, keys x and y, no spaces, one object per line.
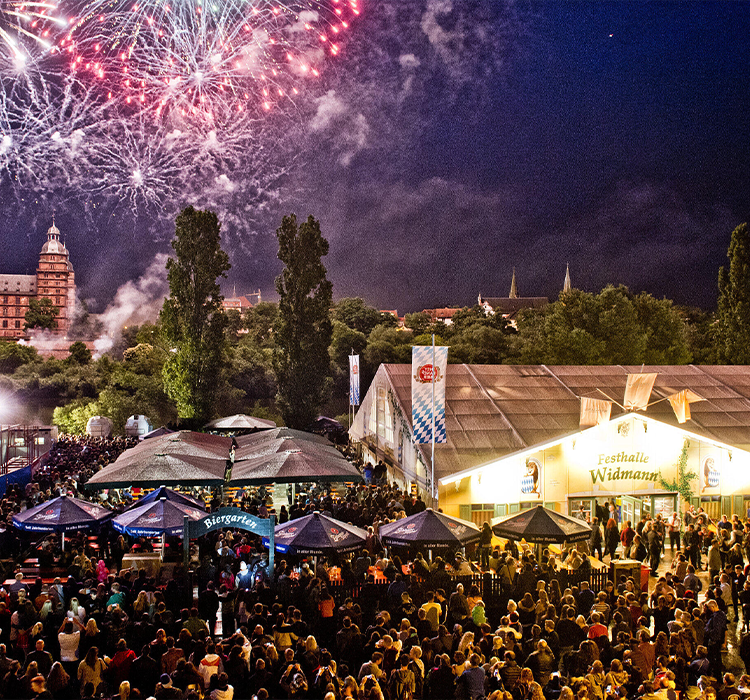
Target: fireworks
{"x":25,"y":25}
{"x":207,"y":58}
{"x":134,"y":109}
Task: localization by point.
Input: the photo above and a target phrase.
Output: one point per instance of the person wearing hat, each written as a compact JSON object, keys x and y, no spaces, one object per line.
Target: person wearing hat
{"x":165,"y":690}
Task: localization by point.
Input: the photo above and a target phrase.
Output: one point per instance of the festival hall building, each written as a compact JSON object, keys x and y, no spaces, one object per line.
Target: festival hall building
{"x":514,"y":439}
{"x":54,"y":280}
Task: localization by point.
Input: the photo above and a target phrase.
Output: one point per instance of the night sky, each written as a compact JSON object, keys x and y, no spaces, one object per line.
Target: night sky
{"x":454,"y":140}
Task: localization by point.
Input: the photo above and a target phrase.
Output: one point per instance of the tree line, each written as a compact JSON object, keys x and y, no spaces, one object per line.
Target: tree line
{"x":289,"y":360}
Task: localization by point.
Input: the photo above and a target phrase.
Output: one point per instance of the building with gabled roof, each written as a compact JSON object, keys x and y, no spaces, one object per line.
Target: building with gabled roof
{"x":54,"y":279}
{"x":503,"y":420}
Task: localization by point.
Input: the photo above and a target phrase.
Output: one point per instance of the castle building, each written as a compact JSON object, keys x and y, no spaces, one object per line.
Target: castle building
{"x":54,"y":280}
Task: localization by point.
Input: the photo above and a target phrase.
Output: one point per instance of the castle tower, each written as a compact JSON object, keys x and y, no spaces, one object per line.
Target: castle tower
{"x":567,"y":285}
{"x":513,"y":288}
{"x":55,"y":277}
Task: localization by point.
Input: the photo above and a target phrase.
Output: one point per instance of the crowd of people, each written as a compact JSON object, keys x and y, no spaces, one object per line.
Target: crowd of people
{"x":427,"y":633}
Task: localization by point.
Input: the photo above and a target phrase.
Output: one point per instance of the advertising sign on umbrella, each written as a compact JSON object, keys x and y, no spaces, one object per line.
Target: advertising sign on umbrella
{"x":156,"y":518}
{"x":62,"y":514}
{"x":431,"y":530}
{"x":318,"y":534}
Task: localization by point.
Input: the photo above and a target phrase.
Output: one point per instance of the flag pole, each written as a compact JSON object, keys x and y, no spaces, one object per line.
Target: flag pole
{"x":432,"y":456}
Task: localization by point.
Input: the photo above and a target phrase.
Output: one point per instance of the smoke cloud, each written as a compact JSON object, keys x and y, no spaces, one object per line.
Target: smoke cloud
{"x":134,"y":303}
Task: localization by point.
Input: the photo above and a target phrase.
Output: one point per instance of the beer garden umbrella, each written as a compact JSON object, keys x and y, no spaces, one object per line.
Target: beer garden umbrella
{"x":246,"y":444}
{"x":184,"y":458}
{"x":156,"y":518}
{"x":303,"y":463}
{"x":317,"y":534}
{"x":241,"y":422}
{"x":429,"y":529}
{"x":170,"y":495}
{"x":540,"y":526}
{"x":62,"y":514}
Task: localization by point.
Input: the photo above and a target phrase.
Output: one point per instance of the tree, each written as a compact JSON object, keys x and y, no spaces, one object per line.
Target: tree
{"x":666,"y":331}
{"x":479,"y":344}
{"x":192,"y":319}
{"x":73,"y":417}
{"x":356,"y":314}
{"x":79,"y":354}
{"x":388,"y":345}
{"x":733,"y":317}
{"x":613,"y":327}
{"x":303,"y":328}
{"x":418,"y":322}
{"x":42,"y":313}
{"x":13,"y":355}
{"x":259,"y":322}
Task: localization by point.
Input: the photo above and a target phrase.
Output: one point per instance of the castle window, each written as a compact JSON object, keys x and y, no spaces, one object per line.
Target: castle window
{"x":18,"y":324}
{"x":5,"y":324}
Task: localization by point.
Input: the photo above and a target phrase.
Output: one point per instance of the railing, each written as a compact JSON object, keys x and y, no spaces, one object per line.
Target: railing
{"x":489,"y":585}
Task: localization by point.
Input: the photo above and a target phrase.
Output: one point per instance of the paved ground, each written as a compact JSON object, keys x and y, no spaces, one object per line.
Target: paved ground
{"x":732,"y":661}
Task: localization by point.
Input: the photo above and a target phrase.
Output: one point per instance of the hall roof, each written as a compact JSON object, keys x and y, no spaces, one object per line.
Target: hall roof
{"x":495,"y":410}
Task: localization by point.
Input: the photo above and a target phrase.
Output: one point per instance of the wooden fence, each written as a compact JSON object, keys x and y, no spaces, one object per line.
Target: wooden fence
{"x":488,"y":584}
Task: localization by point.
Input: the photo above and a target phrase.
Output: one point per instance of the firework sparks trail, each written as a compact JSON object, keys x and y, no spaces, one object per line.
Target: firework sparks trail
{"x":153,"y":172}
{"x":26,"y":25}
{"x":211,"y":58}
{"x":44,"y":126}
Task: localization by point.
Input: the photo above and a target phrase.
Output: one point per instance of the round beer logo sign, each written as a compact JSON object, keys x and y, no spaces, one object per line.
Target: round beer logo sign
{"x":424,"y":374}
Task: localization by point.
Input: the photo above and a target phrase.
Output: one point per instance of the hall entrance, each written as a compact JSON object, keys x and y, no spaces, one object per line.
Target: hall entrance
{"x":633,"y":508}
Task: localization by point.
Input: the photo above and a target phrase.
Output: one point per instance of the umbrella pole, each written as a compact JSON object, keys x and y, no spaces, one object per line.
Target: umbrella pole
{"x":163,"y":540}
{"x":63,"y":540}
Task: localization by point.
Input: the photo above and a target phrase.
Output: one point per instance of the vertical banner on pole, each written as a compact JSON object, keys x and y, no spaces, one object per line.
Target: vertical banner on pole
{"x":354,"y":380}
{"x":422,"y":372}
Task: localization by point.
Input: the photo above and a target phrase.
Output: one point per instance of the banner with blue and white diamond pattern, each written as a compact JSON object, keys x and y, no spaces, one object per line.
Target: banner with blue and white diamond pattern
{"x":421,"y":392}
{"x":354,"y":380}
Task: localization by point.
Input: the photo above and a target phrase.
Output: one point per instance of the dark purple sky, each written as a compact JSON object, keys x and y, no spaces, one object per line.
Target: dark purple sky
{"x":456,"y":139}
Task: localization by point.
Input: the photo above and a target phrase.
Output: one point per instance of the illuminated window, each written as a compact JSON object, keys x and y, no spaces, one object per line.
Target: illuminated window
{"x":385,"y":419}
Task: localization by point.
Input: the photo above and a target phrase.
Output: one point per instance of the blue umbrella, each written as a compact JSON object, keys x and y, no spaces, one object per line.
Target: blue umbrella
{"x":171,"y":495}
{"x":430,"y":529}
{"x":155,"y":518}
{"x":317,"y":534}
{"x":62,"y":514}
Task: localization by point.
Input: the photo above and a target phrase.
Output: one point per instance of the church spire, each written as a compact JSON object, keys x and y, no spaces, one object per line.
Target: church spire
{"x":566,"y":285}
{"x":513,"y":288}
